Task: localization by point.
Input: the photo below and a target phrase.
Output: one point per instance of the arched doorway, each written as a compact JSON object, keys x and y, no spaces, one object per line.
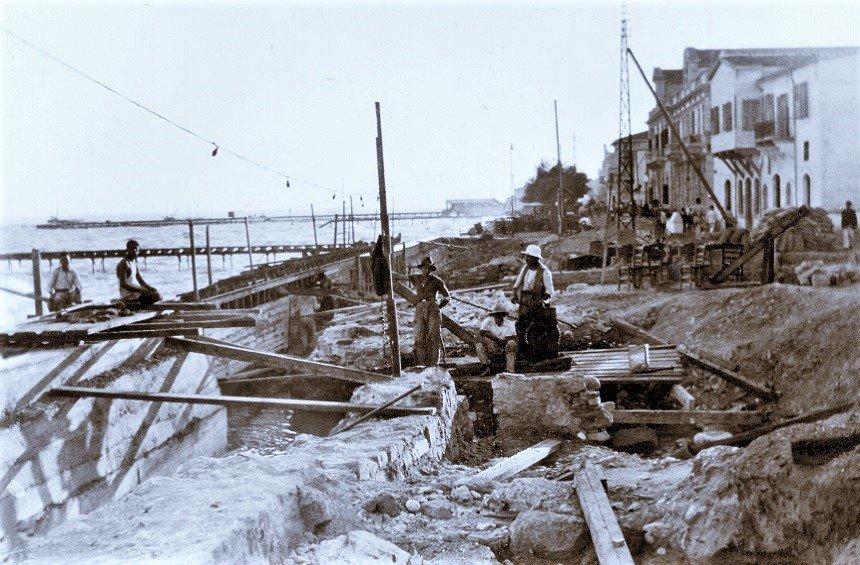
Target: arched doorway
{"x":807,"y":191}
{"x":748,"y":207}
{"x":777,"y":192}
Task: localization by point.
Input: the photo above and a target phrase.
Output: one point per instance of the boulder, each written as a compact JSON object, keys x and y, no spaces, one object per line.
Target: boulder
{"x":548,"y":535}
{"x":383,"y":503}
{"x":357,"y":547}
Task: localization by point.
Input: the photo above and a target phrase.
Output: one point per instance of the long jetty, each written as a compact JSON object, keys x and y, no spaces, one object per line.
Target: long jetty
{"x":174,"y":252}
{"x":75,"y":224}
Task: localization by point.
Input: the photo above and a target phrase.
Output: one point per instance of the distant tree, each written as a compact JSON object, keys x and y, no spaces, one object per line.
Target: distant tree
{"x":544,"y":186}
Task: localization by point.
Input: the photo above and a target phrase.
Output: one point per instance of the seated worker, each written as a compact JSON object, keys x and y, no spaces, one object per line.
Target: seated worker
{"x":498,"y":336}
{"x":322,"y":284}
{"x":537,"y":327}
{"x":65,"y":287}
{"x":132,"y":288}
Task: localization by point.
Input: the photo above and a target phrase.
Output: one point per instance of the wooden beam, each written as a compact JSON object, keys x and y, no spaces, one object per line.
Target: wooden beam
{"x":697,"y":358}
{"x":695,"y":417}
{"x":746,"y":437}
{"x":462,"y":333}
{"x":237,"y":322}
{"x":683,"y":397}
{"x":512,"y":465}
{"x":124,"y":333}
{"x":606,"y":535}
{"x":218,"y":348}
{"x":175,"y":305}
{"x":292,"y":403}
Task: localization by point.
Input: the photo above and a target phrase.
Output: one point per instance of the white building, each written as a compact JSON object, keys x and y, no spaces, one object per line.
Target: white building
{"x":785,"y":129}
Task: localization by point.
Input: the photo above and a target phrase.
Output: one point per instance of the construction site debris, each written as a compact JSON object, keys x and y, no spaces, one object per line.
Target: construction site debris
{"x":815,"y":232}
{"x":816,"y":273}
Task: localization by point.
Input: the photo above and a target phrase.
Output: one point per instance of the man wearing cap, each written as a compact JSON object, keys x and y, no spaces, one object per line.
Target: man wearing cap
{"x":428,"y":318}
{"x":532,"y":291}
{"x":498,"y":335}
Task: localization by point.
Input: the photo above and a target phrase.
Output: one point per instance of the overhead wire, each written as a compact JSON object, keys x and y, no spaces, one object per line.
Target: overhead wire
{"x":287,"y":178}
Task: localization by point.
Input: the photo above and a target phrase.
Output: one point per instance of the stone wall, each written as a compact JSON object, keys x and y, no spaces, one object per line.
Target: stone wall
{"x":544,"y":406}
{"x":243,"y":508}
{"x":63,"y":458}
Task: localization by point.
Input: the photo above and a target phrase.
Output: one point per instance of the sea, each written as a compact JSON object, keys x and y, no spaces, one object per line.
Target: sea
{"x":167,"y":274}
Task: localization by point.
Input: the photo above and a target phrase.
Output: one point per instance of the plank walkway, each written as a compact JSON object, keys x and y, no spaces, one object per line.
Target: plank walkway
{"x":606,"y":535}
{"x":173,"y":251}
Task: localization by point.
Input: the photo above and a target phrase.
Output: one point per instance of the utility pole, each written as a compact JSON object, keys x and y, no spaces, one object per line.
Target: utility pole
{"x":343,"y":216}
{"x":352,"y":218}
{"x":513,"y":190}
{"x":193,"y":259}
{"x":390,"y":307}
{"x":560,"y":206}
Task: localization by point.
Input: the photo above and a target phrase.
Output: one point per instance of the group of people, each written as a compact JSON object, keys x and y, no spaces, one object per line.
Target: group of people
{"x":534,"y":331}
{"x":66,"y":289}
{"x":678,"y":221}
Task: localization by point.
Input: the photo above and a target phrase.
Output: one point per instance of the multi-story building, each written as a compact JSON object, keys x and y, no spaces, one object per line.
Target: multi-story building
{"x":685,"y":93}
{"x":785,"y":129}
{"x":609,"y":171}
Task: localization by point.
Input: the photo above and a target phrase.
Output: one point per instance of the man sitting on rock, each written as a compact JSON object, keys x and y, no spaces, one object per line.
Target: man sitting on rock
{"x":498,"y":335}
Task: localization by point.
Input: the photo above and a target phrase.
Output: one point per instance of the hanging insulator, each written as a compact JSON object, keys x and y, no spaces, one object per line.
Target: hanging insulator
{"x":215,"y":151}
{"x":288,"y":184}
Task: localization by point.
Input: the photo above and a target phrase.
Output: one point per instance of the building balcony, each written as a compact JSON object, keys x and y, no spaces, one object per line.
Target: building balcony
{"x":737,"y":140}
{"x":765,"y":133}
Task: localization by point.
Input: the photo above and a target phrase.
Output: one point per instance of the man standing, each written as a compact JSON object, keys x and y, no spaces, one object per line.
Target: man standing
{"x":132,"y":288}
{"x":713,"y":219}
{"x":498,"y":335}
{"x":428,"y":318}
{"x":849,"y":226}
{"x":65,"y":286}
{"x":537,"y":330}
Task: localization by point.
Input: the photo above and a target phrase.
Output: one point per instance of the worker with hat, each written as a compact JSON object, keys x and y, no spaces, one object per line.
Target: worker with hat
{"x":428,"y":317}
{"x":498,"y":335}
{"x":537,"y":331}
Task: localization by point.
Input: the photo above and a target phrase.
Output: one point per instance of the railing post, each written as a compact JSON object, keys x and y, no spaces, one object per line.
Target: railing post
{"x":36,"y":257}
{"x":208,"y":256}
{"x":193,"y":259}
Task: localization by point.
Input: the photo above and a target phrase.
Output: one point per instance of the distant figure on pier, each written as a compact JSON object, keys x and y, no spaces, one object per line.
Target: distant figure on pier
{"x":65,"y":286}
{"x":498,"y":337}
{"x":322,"y":284}
{"x":132,"y":288}
{"x":849,"y":226}
{"x":428,"y":317}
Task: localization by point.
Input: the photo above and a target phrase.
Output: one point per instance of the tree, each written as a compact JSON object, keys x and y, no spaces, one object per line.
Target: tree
{"x":544,"y":186}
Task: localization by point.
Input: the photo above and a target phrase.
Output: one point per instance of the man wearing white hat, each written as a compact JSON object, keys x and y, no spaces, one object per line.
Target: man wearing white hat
{"x":498,"y":335}
{"x":533,"y":290}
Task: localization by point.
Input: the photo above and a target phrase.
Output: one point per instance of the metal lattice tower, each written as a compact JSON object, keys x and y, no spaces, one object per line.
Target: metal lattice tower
{"x":626,"y":165}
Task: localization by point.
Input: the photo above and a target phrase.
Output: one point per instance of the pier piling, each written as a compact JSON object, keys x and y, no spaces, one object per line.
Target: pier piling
{"x":37,"y":281}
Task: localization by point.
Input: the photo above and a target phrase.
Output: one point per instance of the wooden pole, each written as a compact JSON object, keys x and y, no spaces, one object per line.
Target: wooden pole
{"x":376,"y":411}
{"x":193,"y":259}
{"x":343,"y":215}
{"x":390,"y":306}
{"x":352,"y":218}
{"x":248,"y":242}
{"x":293,"y":403}
{"x":560,"y":206}
{"x":335,"y":230}
{"x":208,"y":256}
{"x":314,"y":221}
{"x":36,"y":257}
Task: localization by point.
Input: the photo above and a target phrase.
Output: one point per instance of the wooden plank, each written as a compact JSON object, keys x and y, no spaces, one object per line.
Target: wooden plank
{"x":606,"y":535}
{"x":728,"y":375}
{"x":292,"y":403}
{"x":47,"y":330}
{"x":518,"y":462}
{"x":181,"y":306}
{"x":694,"y":417}
{"x":124,"y":333}
{"x":654,"y":349}
{"x":236,"y":322}
{"x":683,"y":397}
{"x":218,"y":348}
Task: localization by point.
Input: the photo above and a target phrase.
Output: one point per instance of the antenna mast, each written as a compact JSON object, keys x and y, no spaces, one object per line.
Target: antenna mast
{"x":625,"y":133}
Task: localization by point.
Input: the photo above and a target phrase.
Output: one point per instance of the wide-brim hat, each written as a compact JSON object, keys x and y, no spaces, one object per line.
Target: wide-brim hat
{"x":426,"y":262}
{"x":533,"y":251}
{"x":498,"y":308}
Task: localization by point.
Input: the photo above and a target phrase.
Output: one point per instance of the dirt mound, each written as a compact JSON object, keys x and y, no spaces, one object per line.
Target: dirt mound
{"x":815,"y":232}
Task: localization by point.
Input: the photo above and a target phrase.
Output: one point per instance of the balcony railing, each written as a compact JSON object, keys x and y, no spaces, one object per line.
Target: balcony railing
{"x":764,"y":131}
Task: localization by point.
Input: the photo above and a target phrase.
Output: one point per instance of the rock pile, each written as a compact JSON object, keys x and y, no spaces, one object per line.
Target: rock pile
{"x":815,"y":232}
{"x":816,"y":273}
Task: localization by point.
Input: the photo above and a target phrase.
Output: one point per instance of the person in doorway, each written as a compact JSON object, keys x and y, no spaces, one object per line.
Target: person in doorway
{"x":498,"y":336}
{"x":132,"y":288}
{"x":428,"y":315}
{"x":65,"y":286}
{"x":849,"y":226}
{"x":537,"y":330}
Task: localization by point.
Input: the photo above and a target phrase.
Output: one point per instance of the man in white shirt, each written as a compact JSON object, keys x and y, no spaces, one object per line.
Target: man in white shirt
{"x":537,"y":330}
{"x":65,"y":287}
{"x":713,"y":219}
{"x":498,"y":335}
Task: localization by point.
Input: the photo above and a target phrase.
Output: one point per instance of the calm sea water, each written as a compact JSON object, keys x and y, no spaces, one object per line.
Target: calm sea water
{"x":166,"y":274}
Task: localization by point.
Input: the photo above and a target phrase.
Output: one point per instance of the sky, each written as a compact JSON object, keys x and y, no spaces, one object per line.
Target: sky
{"x":292,"y":86}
